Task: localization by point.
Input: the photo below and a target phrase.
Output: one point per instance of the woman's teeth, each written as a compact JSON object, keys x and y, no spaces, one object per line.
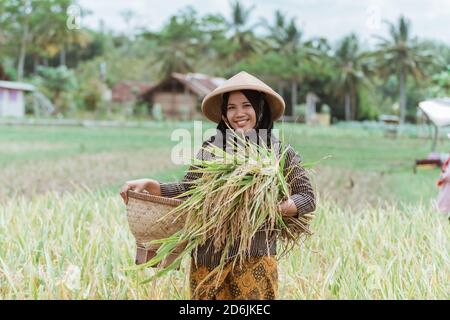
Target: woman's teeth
{"x":241,"y":123}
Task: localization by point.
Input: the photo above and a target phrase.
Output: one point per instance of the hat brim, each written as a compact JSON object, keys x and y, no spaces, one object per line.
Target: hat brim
{"x":212,"y":102}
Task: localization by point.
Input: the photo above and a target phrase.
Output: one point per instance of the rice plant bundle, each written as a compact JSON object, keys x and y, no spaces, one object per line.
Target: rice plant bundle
{"x":236,"y":195}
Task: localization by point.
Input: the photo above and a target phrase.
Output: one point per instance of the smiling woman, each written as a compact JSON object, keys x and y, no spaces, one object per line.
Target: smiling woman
{"x":243,"y":103}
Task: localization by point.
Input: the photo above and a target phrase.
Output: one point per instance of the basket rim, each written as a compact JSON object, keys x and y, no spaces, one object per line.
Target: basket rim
{"x":152,"y":198}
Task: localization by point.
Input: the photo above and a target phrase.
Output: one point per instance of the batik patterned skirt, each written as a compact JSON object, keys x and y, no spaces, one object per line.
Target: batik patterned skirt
{"x":256,"y":279}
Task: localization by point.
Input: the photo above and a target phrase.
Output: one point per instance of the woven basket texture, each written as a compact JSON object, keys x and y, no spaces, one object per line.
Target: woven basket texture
{"x":148,"y":218}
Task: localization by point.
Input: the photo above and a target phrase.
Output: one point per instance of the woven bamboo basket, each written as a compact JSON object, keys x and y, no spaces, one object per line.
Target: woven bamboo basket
{"x":148,"y":220}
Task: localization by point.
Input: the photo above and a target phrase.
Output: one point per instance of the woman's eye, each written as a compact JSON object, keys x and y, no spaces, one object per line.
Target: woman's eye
{"x":232,"y":107}
{"x":247,"y":105}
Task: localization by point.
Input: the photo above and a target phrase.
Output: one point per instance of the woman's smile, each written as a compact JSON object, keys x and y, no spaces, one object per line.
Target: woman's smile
{"x":242,"y":123}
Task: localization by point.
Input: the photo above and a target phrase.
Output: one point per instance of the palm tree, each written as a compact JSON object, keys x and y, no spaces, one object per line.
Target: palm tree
{"x":215,"y":49}
{"x":283,"y":34}
{"x":286,"y":38}
{"x":53,"y":36}
{"x":242,"y":38}
{"x":352,"y":68}
{"x":402,"y":55}
{"x":177,"y":44}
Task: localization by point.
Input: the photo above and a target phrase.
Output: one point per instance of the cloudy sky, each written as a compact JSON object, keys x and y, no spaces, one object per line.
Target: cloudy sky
{"x":328,"y":18}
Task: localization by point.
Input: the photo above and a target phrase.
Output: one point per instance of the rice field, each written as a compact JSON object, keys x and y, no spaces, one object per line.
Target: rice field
{"x":64,"y":233}
{"x":77,"y":246}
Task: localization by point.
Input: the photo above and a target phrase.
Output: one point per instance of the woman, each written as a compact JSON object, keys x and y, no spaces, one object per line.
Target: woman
{"x":247,"y":105}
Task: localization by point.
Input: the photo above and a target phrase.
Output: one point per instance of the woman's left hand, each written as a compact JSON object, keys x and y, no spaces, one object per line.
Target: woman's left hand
{"x":288,"y":208}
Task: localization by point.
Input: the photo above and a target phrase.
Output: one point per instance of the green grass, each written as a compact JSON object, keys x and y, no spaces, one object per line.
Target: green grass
{"x":377,"y":234}
{"x":70,"y":141}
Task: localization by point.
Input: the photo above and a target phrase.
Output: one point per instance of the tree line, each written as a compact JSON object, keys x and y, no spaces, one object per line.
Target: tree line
{"x":356,"y":81}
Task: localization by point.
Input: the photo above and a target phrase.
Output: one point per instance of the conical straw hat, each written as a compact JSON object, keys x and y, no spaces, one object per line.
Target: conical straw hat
{"x":212,"y":102}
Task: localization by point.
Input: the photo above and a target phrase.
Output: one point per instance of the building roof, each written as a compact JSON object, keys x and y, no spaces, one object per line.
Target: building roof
{"x":200,"y":84}
{"x":129,"y":90}
{"x":16,"y":85}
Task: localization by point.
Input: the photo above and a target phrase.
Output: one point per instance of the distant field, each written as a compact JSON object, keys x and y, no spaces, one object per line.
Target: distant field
{"x":38,"y":159}
{"x":63,"y":230}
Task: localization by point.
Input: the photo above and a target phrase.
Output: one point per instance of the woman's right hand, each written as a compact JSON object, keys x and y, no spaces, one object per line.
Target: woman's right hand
{"x":152,"y":186}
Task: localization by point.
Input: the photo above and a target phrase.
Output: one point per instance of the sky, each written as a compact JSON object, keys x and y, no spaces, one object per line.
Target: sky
{"x":325,"y":18}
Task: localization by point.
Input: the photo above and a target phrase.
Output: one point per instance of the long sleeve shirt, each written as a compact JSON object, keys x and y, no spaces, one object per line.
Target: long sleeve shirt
{"x":301,"y":192}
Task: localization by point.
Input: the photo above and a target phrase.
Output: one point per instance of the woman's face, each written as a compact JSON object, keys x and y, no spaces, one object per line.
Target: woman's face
{"x":240,"y":112}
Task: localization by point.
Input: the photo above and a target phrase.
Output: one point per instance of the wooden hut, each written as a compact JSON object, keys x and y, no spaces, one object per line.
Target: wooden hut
{"x":180,"y":95}
{"x":129,"y":91}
